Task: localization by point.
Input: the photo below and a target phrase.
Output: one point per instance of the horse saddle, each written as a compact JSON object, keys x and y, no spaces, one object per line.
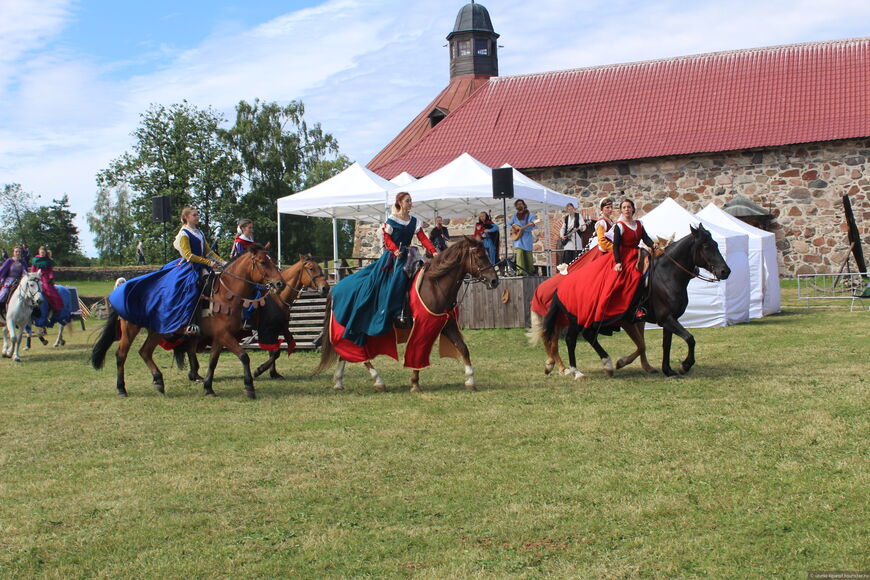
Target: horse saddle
{"x":413,"y":262}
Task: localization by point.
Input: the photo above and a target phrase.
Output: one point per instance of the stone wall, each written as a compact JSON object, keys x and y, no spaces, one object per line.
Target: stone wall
{"x":801,"y":185}
{"x":98,"y":273}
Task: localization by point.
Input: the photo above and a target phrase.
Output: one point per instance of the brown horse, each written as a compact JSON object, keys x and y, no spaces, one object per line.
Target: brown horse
{"x":274,"y":318}
{"x":246,"y":274}
{"x":439,"y":285}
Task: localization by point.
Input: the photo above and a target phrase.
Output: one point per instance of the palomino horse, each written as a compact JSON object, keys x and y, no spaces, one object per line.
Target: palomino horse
{"x":235,"y":286}
{"x":433,"y":295}
{"x":274,"y":318}
{"x":666,"y":298}
{"x":19,"y":312}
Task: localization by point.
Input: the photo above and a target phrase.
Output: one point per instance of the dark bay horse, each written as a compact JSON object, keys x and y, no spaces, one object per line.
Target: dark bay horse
{"x":234,"y":287}
{"x":439,"y":284}
{"x":274,"y":317}
{"x":666,"y":298}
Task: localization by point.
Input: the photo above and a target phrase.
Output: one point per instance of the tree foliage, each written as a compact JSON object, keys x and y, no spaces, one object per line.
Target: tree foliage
{"x":227,"y":173}
{"x":25,"y":222}
{"x":111,"y":222}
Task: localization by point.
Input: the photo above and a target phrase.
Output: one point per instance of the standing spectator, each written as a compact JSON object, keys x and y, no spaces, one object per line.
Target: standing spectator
{"x":3,"y":255}
{"x":25,"y":254}
{"x":439,"y":236}
{"x":521,"y":226}
{"x":140,"y":253}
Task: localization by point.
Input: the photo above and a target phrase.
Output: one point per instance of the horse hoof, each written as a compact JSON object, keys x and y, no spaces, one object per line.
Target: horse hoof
{"x":122,"y":394}
{"x":250,"y":393}
{"x":548,"y":369}
{"x":566,"y":372}
{"x":160,"y":389}
{"x":471,"y":387}
{"x":210,"y":394}
{"x":276,"y":376}
{"x":620,"y":363}
{"x":415,"y":388}
{"x":381,"y":387}
{"x":338,"y":387}
{"x":578,"y":375}
{"x":43,"y":341}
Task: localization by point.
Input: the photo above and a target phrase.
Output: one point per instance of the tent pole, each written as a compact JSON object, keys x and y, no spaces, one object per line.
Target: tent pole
{"x":335,"y":248}
{"x":549,"y":244}
{"x":279,"y":238}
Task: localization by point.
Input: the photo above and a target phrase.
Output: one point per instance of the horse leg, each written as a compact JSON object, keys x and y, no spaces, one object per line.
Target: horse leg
{"x":592,"y":338}
{"x":689,"y":361}
{"x":17,"y":336}
{"x":453,"y":334}
{"x":635,"y":331}
{"x":146,"y":351}
{"x":667,"y":336}
{"x":59,"y":341}
{"x":234,"y":347}
{"x":193,"y":363}
{"x":128,"y":334}
{"x":216,"y":348}
{"x":571,"y":345}
{"x":269,"y":365}
{"x":415,"y":381}
{"x":553,"y":358}
{"x":376,"y":376}
{"x":338,"y":375}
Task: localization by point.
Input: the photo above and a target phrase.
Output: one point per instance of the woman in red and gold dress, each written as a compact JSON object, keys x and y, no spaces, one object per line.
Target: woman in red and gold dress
{"x":601,"y":291}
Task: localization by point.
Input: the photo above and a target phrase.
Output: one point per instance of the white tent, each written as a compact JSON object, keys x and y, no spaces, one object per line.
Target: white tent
{"x":710,"y":303}
{"x":355,"y":193}
{"x":764,"y":297}
{"x":404,"y":178}
{"x":463,"y":188}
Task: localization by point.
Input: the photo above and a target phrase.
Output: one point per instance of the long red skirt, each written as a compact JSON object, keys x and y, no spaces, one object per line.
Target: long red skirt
{"x":596,"y":294}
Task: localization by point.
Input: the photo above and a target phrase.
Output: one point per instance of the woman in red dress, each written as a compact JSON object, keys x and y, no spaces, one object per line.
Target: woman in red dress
{"x":601,"y":291}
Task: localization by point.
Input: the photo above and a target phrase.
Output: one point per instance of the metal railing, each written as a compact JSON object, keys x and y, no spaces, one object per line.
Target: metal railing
{"x":852,"y":286}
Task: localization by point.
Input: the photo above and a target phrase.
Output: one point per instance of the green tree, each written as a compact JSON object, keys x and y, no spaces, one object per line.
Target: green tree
{"x":53,"y":226}
{"x":282,"y":154}
{"x":15,"y":204}
{"x":111,"y":221}
{"x":178,"y":152}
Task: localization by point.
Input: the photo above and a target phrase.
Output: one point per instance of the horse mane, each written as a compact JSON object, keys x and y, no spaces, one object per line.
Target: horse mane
{"x":451,"y":258}
{"x":253,"y":249}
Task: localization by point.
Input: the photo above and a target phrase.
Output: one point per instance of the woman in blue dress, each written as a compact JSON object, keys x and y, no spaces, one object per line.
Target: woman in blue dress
{"x":367,"y":302}
{"x":164,"y":301}
{"x":485,"y":229}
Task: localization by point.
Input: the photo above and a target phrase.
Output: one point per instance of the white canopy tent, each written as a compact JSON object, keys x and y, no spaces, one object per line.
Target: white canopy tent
{"x":404,"y":178}
{"x":355,"y":193}
{"x":463,"y":188}
{"x":764,"y":297}
{"x":710,"y":303}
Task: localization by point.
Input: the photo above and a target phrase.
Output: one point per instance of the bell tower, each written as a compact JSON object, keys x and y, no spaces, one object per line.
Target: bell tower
{"x":473,"y":43}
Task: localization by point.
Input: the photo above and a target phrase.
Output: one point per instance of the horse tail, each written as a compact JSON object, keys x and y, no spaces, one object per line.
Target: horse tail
{"x":178,"y":352}
{"x":108,"y":335}
{"x":328,"y":356}
{"x":534,"y":333}
{"x":550,"y":329}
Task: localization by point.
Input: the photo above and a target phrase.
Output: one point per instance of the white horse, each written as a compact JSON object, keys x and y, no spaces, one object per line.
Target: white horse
{"x":19,"y":312}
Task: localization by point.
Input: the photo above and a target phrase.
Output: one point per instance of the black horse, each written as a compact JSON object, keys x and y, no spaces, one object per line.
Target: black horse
{"x":665,"y":298}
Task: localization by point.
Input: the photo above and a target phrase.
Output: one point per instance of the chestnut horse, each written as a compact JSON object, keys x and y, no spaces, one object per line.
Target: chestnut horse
{"x":234,"y":287}
{"x":666,"y":298}
{"x":439,"y":283}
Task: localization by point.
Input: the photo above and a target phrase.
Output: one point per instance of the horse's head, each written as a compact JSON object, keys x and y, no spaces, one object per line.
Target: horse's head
{"x":475,"y":262}
{"x":260,"y":268}
{"x":705,"y":253}
{"x":31,"y":290}
{"x":311,"y":275}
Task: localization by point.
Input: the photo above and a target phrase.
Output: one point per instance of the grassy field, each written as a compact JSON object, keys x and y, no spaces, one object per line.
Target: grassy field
{"x":756,"y":465}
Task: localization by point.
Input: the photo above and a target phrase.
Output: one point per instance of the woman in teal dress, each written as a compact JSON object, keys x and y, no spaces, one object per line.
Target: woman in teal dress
{"x":366,"y":303}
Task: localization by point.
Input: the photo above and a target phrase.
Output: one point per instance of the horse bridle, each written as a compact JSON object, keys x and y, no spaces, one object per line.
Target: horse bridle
{"x":311,"y":281}
{"x":695,"y":274}
{"x":257,"y":286}
{"x":28,"y":296}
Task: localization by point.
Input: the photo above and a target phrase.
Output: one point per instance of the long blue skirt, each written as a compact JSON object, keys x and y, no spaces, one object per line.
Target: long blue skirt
{"x":367,"y":302}
{"x":63,"y":317}
{"x":163,"y":300}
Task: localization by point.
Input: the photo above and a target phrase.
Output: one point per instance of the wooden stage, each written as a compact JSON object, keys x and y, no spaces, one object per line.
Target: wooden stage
{"x":507,"y":306}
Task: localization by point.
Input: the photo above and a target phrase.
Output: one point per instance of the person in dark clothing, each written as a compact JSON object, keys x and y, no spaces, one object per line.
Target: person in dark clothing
{"x":439,"y":236}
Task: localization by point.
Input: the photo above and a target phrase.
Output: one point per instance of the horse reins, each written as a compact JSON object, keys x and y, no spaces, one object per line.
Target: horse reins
{"x":694,"y":274}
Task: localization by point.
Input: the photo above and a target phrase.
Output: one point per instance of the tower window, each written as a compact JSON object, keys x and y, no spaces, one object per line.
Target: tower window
{"x":464,"y":47}
{"x":481,"y":46}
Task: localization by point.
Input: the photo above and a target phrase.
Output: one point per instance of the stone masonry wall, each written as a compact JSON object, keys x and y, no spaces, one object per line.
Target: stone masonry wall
{"x":801,"y":185}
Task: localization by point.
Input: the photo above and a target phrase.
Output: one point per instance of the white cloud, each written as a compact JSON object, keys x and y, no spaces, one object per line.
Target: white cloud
{"x":363,"y":68}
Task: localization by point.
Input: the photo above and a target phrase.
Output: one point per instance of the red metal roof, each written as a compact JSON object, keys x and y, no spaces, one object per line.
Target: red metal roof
{"x":459,"y":89}
{"x":711,"y":102}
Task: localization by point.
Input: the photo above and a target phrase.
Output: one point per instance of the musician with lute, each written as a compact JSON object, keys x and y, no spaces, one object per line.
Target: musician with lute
{"x":570,"y":240}
{"x":521,"y":226}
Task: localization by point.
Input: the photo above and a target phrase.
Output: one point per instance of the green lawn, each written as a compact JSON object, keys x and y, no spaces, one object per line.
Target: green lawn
{"x":90,"y":287}
{"x":753,"y":466}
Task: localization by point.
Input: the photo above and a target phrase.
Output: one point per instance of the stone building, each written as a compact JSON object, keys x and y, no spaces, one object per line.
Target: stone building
{"x":787,"y":127}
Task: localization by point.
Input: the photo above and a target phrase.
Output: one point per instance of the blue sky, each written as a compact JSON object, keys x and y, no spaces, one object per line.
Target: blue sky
{"x":76,"y":74}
